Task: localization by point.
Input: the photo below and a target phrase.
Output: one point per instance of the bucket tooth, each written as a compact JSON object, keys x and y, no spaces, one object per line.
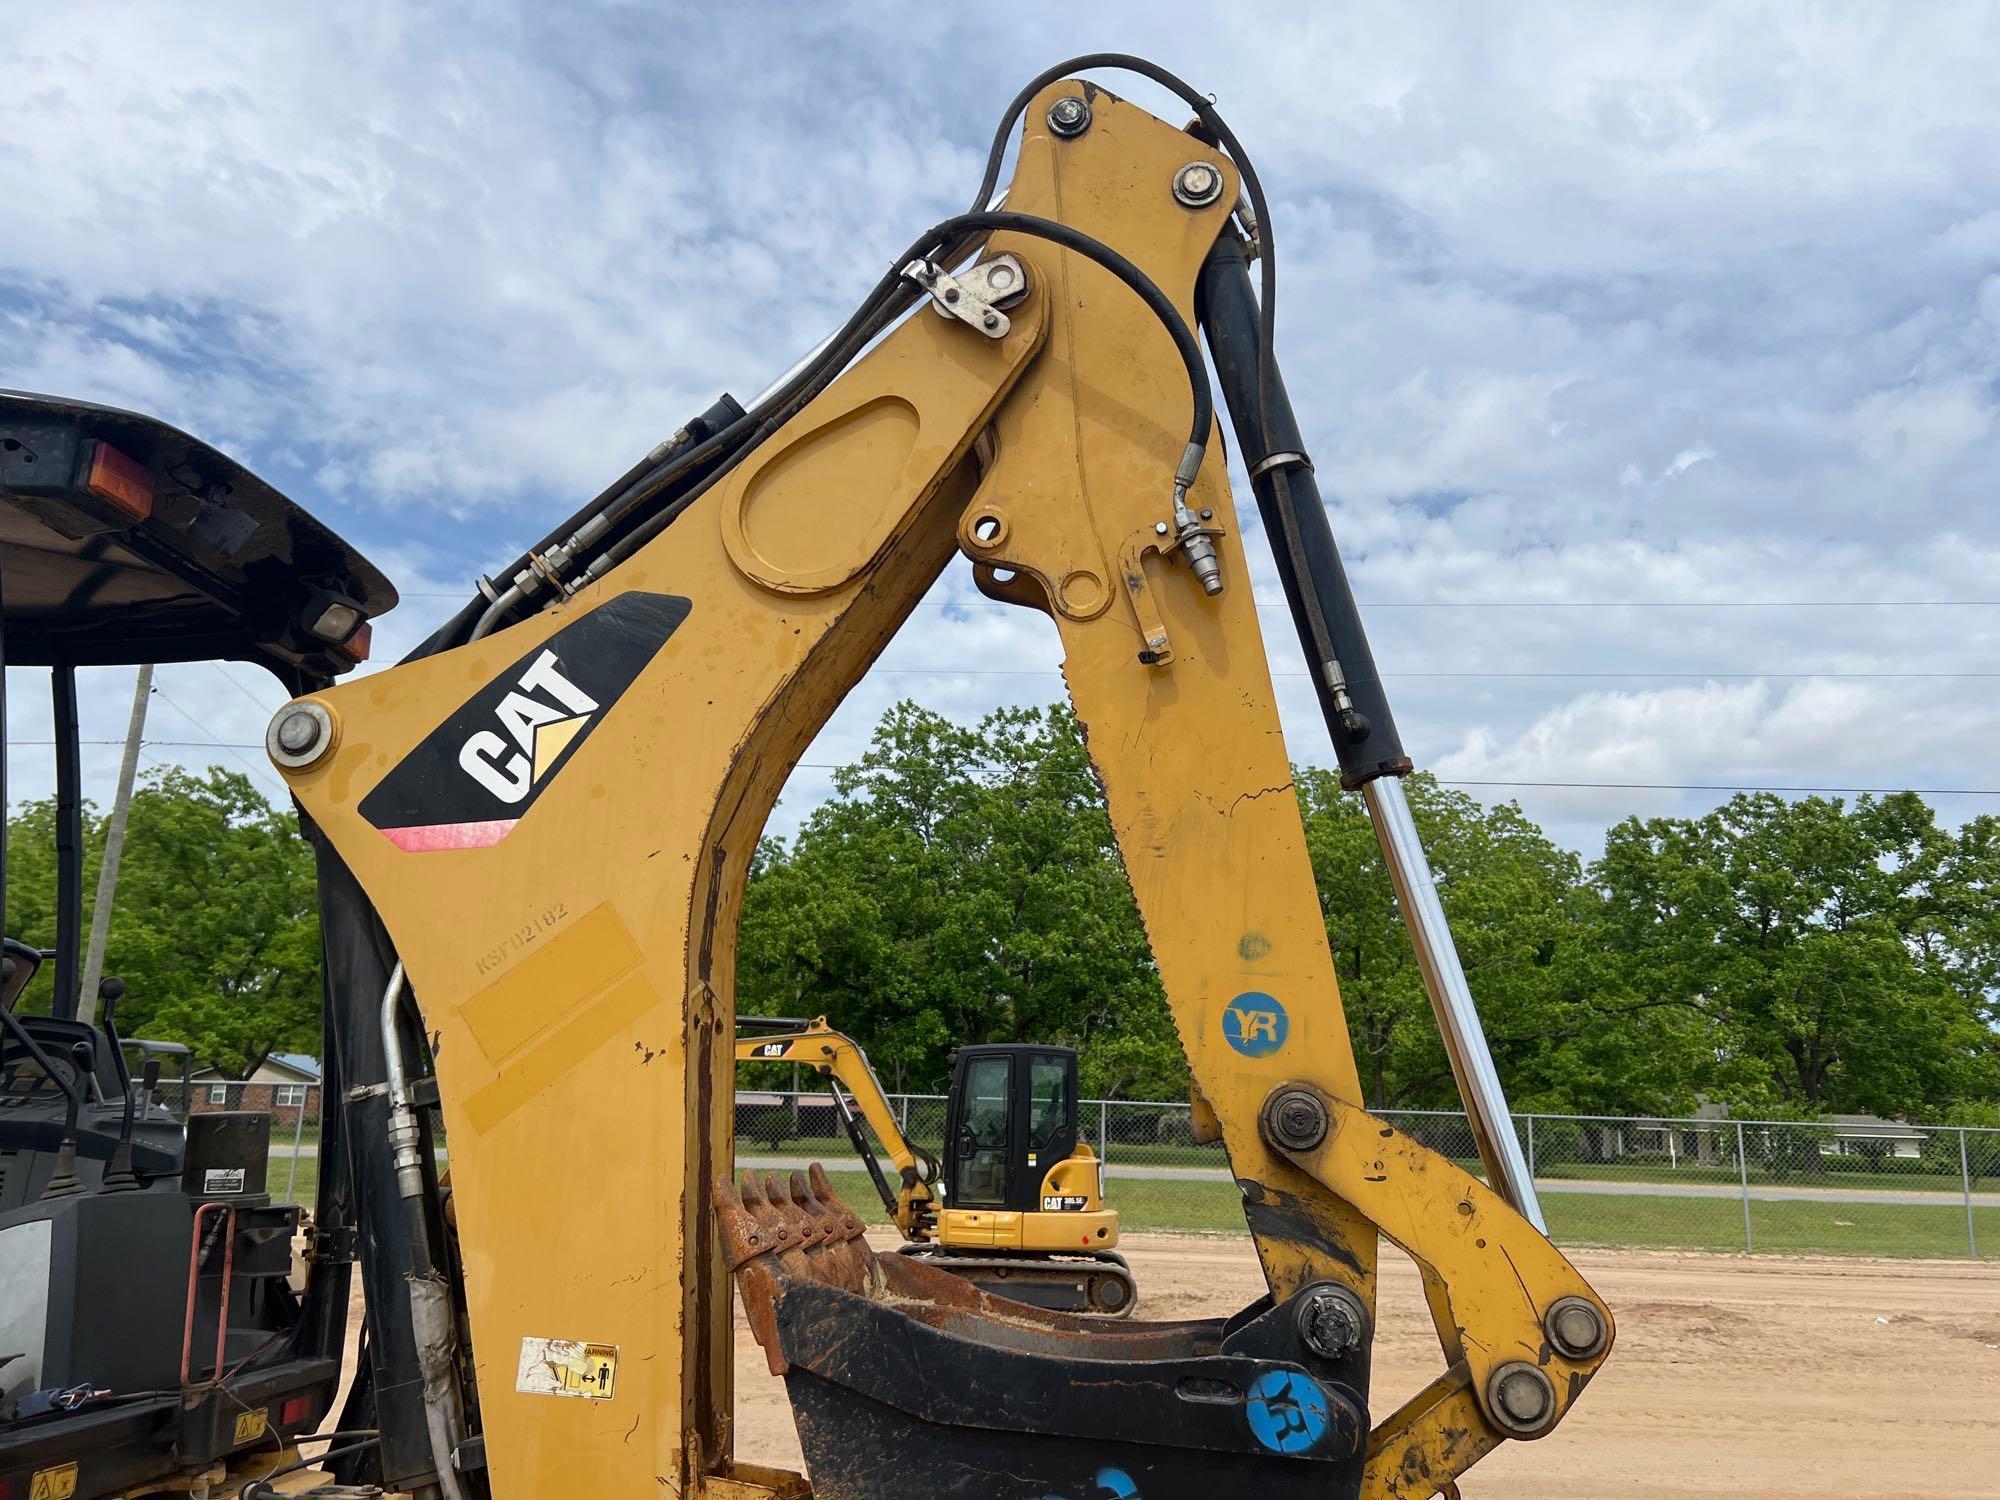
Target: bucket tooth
{"x":822,"y":1189}
{"x":738,"y":1217}
{"x":832,"y":1262}
{"x":800,"y":1233}
{"x":848,"y":1252}
{"x":777,"y":1233}
{"x":745,"y":1222}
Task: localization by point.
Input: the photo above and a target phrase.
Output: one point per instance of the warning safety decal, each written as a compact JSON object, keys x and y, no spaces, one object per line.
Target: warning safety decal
{"x":567,"y":1367}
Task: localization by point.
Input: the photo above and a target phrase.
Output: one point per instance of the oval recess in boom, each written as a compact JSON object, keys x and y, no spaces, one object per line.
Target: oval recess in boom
{"x":788,"y":531}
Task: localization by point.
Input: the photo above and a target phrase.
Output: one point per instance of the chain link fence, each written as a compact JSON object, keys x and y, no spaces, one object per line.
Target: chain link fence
{"x":1851,"y":1185}
{"x":1843,"y":1186}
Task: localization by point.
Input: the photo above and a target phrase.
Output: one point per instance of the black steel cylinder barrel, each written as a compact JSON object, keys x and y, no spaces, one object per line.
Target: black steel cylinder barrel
{"x":1351,"y":697}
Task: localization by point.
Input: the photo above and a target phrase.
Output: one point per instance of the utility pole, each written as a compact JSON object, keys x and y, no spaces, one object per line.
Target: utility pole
{"x":114,"y":848}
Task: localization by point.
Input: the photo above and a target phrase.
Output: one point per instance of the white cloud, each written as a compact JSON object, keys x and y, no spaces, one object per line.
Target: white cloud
{"x":1672,"y":302}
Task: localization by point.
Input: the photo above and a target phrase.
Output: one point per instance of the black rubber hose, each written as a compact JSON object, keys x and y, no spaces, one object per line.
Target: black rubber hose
{"x":947,"y":238}
{"x":780,"y":407}
{"x":755,"y":429}
{"x":1096,"y":250}
{"x":1205,"y":111}
{"x":885,"y":303}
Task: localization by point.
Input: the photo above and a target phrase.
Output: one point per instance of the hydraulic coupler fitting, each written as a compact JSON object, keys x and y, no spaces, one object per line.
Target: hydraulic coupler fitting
{"x":1196,"y":538}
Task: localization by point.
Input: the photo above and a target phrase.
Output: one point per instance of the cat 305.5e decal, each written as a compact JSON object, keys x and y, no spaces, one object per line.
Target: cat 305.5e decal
{"x":477,"y":774}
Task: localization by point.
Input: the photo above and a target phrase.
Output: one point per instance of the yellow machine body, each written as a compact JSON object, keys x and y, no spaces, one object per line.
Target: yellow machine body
{"x":576,"y":966}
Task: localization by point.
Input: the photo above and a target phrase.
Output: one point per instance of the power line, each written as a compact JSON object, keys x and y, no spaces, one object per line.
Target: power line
{"x":1712,"y":786}
{"x":1632,"y":786}
{"x":1617,"y":786}
{"x":240,"y":687}
{"x":263,"y":771}
{"x":176,"y":744}
{"x":1647,"y":786}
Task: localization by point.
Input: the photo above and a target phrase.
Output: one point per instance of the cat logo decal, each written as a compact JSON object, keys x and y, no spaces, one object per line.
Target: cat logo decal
{"x":476,"y":775}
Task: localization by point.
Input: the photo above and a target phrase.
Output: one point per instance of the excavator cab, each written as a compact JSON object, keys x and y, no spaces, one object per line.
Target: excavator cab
{"x":149,"y":1327}
{"x":1010,"y":1117}
{"x":1023,"y":1214}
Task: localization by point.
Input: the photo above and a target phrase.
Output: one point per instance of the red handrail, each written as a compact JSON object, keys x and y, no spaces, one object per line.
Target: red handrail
{"x":228,"y":1212}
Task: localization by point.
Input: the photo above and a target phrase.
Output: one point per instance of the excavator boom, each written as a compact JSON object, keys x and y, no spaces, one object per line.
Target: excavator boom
{"x":545,"y":820}
{"x":819,"y":1046}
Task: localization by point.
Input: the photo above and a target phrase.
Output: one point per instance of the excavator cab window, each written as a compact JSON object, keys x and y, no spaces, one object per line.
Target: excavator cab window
{"x":1011,"y":1116}
{"x":1051,"y":1109}
{"x":979,"y":1145}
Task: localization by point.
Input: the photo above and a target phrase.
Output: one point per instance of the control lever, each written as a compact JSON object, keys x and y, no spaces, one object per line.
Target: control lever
{"x":63,"y":1182}
{"x":118,"y":1175}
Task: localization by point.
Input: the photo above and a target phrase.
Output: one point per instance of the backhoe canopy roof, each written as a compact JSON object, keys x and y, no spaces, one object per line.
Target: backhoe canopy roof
{"x":123,"y":539}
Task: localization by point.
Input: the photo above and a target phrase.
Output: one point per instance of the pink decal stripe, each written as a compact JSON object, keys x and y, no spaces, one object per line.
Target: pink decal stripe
{"x":450,"y":835}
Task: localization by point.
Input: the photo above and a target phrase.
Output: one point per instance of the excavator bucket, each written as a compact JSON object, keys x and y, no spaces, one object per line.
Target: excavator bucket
{"x":885,"y":1358}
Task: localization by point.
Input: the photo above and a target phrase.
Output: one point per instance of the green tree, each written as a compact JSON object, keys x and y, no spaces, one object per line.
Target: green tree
{"x":961,"y":885}
{"x":1815,"y":951}
{"x":1507,"y":892}
{"x":216,"y":925}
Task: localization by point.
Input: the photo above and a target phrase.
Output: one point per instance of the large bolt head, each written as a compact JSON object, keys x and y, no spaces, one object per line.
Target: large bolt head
{"x":297,"y":730}
{"x":1069,"y":116}
{"x":299,"y":735}
{"x":1524,"y":1400}
{"x":1197,"y":184}
{"x":1332,"y":1322}
{"x":1295,"y":1119}
{"x":1576,"y":1328}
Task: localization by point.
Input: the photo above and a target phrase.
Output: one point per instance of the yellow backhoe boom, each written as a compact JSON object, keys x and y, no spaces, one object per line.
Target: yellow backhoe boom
{"x":553,"y":814}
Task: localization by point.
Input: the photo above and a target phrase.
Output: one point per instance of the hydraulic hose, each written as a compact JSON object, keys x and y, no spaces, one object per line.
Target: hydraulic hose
{"x":586,"y":532}
{"x":1205,"y":111}
{"x":890,"y":297}
{"x":1096,"y":250}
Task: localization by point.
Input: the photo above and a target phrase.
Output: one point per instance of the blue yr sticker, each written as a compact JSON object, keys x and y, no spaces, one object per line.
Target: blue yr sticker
{"x":1255,"y":1024}
{"x":1111,"y":1484}
{"x":1287,"y":1411}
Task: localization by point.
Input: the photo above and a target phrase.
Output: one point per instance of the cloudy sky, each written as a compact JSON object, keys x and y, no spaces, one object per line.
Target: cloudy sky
{"x":1648,"y":354}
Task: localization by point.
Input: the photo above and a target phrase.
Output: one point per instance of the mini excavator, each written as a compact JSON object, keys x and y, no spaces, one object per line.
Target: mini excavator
{"x":1022,"y":1211}
{"x":533,"y":837}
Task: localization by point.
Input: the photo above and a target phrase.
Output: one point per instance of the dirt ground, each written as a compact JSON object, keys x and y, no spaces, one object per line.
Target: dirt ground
{"x":1792,"y":1379}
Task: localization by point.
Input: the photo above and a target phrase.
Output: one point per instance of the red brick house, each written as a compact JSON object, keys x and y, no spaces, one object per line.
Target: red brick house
{"x":283,"y":1085}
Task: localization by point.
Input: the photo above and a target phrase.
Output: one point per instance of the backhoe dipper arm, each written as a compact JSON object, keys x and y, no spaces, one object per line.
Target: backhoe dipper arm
{"x":555,"y":824}
{"x":834,"y":1054}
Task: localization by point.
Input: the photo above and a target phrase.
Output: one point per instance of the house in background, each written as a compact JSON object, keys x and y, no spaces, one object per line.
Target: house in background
{"x":1708,"y":1138}
{"x":284,"y":1084}
{"x":1875,"y":1138}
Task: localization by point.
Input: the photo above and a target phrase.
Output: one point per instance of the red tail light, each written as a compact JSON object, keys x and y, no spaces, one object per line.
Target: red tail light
{"x":290,"y":1414}
{"x":120,"y":481}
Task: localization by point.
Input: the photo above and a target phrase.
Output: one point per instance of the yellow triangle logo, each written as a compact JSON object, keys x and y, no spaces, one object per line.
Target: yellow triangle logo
{"x":552,"y":739}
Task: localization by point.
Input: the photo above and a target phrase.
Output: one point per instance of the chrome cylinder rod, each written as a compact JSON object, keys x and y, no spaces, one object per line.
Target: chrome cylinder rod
{"x":1451,"y":998}
{"x":1351,"y":695}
